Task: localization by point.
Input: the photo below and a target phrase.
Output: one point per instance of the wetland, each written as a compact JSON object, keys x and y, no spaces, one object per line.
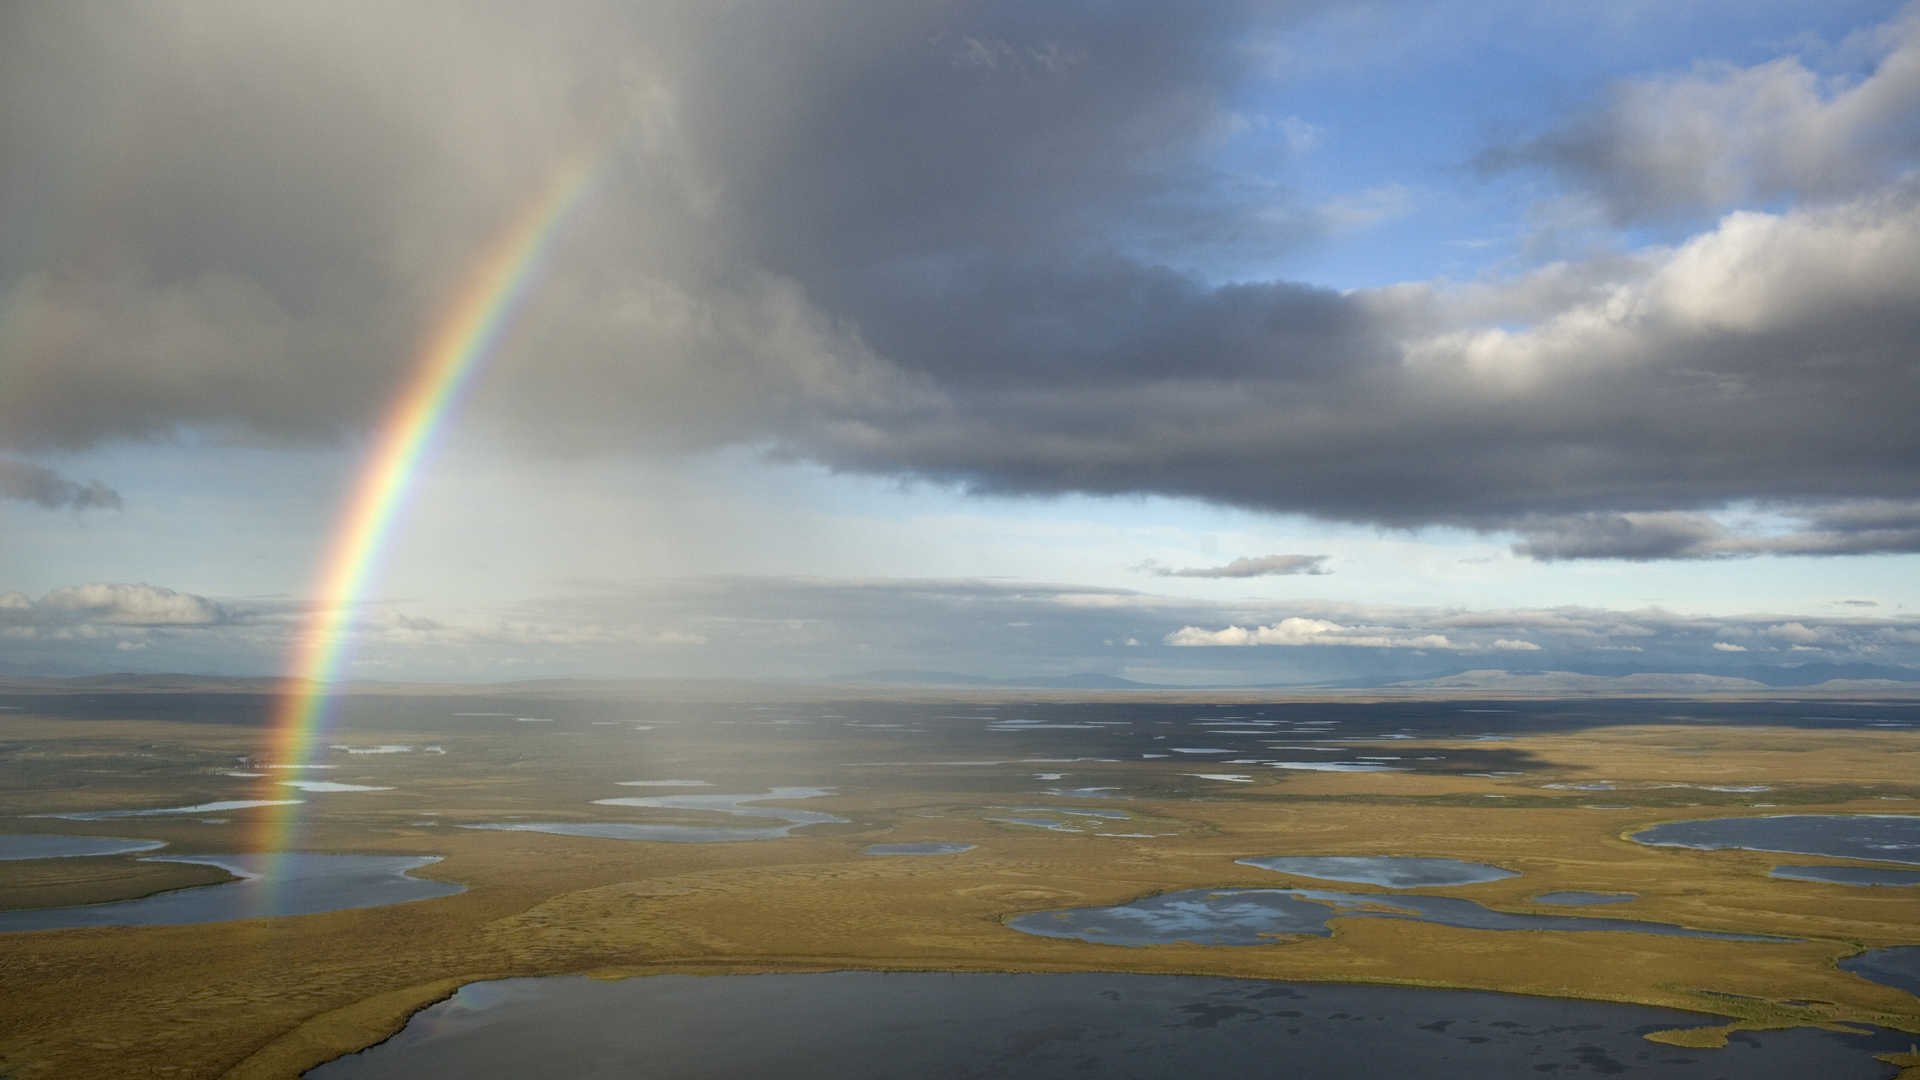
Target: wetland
{"x":631,"y":838}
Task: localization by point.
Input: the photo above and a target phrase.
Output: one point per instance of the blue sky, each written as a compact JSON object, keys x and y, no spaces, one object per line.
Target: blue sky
{"x":979,"y":338}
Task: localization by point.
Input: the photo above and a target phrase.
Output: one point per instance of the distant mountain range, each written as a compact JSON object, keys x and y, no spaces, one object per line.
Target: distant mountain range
{"x":1080,"y":681}
{"x":1755,"y":678}
{"x":1827,"y":678}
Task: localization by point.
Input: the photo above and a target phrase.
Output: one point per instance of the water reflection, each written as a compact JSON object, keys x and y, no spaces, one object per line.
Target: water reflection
{"x":269,"y":884}
{"x":1847,"y":875}
{"x":1393,"y":871}
{"x":1265,"y":916}
{"x":871,"y":1024}
{"x":738,"y":805}
{"x":1875,"y":837}
{"x":916,"y":849}
{"x":14,"y":848}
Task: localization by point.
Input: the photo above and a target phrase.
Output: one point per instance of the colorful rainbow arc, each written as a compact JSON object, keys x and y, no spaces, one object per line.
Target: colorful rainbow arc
{"x":461,"y":339}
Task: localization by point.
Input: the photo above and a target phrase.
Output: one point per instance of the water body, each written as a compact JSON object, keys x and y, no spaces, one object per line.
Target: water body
{"x":1576,"y":898}
{"x":664,"y":783}
{"x":1258,"y":916}
{"x":1037,"y":823}
{"x":201,"y":808}
{"x":738,"y":805}
{"x":13,"y":848}
{"x":1108,"y":815}
{"x":331,"y":785}
{"x":862,"y":1025}
{"x":916,"y":849}
{"x":1335,"y":766}
{"x":1847,"y":875}
{"x":1393,"y":871}
{"x":1898,"y":967}
{"x":269,"y":885}
{"x":1873,"y":837}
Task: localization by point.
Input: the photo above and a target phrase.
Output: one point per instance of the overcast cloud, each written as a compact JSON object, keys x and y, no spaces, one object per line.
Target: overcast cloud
{"x":37,"y":484}
{"x":1457,"y":300}
{"x":936,"y":242}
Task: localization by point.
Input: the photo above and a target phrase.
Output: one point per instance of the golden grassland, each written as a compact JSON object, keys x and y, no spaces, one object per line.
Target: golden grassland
{"x":271,"y":997}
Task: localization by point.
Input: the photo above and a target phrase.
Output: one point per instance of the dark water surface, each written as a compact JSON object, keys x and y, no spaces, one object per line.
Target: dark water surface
{"x":1393,"y":871}
{"x":14,"y":848}
{"x":269,"y":885}
{"x":1877,"y":837}
{"x":1576,"y":898}
{"x":1898,"y":967}
{"x":872,"y":1024}
{"x":1847,"y":875}
{"x":1255,"y":916}
{"x":915,"y":849}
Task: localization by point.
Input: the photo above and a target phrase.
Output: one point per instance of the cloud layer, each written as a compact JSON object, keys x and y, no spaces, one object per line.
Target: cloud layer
{"x":952,"y":243}
{"x":817,"y":629}
{"x":1252,"y":566}
{"x":37,"y":484}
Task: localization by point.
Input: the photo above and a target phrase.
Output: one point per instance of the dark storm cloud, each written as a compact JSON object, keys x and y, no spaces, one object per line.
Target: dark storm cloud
{"x":927,"y":240}
{"x":37,"y":484}
{"x":1251,"y":566}
{"x":1869,"y":527}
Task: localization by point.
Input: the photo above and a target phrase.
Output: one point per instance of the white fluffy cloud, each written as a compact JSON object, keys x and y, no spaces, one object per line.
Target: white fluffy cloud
{"x":1305,"y":631}
{"x":1722,"y":135}
{"x":126,"y":605}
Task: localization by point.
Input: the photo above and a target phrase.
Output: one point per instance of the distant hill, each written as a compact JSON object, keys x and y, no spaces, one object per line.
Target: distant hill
{"x":1811,"y":673}
{"x":1080,"y":681}
{"x":1574,"y":682}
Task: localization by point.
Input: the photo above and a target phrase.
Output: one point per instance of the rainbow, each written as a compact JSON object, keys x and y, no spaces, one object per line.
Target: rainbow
{"x":461,"y":338}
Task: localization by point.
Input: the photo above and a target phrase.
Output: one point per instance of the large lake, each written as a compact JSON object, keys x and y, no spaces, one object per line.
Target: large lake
{"x":1878,"y":837}
{"x":872,"y":1024}
{"x":268,"y":885}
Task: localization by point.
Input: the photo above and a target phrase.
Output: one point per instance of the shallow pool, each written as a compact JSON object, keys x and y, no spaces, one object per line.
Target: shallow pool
{"x":1393,"y":871}
{"x":14,"y":848}
{"x":1266,"y":916}
{"x":268,"y":885}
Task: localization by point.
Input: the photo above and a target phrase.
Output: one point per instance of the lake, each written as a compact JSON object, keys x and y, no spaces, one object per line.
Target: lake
{"x":268,"y":885}
{"x":1876,"y":837}
{"x":15,"y":848}
{"x":874,"y":1024}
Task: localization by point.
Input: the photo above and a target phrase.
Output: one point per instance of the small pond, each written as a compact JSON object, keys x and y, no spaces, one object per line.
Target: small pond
{"x":198,"y":808}
{"x":14,"y":848}
{"x":916,"y":849}
{"x":1847,"y":875}
{"x":1393,"y":871}
{"x":861,"y":1025}
{"x":1576,"y":898}
{"x":736,"y":805}
{"x":269,"y":885}
{"x":1257,"y":916}
{"x":1875,"y":837}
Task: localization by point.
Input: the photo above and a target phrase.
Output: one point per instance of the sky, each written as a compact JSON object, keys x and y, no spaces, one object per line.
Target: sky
{"x":1231,"y":343}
